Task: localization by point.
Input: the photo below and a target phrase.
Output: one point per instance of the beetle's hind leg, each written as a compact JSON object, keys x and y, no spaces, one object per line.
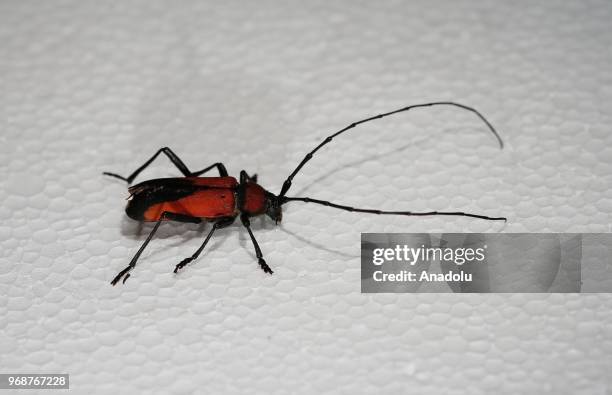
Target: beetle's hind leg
{"x":176,"y":161}
{"x":166,"y":215}
{"x":220,"y":168}
{"x":262,"y":263}
{"x":221,"y":223}
{"x":126,"y":272}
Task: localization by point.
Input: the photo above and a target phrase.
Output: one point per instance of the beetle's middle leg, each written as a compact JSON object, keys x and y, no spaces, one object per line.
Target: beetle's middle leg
{"x":221,"y":223}
{"x":247,"y":224}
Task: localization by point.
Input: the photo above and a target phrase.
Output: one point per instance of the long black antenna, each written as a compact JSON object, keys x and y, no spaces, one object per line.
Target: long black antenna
{"x":287,"y":183}
{"x":286,"y":199}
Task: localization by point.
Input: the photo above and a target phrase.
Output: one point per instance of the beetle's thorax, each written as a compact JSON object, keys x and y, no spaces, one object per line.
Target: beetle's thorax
{"x":254,"y":200}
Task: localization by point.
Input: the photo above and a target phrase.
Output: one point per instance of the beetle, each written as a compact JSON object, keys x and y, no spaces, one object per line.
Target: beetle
{"x":222,"y":199}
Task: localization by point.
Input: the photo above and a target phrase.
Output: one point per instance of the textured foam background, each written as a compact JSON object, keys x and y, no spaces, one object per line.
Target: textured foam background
{"x":87,"y":87}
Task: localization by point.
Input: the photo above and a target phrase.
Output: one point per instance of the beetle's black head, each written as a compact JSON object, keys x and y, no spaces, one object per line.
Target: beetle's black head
{"x":273,"y":207}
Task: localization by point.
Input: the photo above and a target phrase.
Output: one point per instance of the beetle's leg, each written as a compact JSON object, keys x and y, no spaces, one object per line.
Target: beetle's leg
{"x":252,"y":178}
{"x":222,"y":223}
{"x":245,"y":177}
{"x":220,"y":168}
{"x":168,"y":152}
{"x":175,"y":160}
{"x":247,"y":224}
{"x":125,"y":272}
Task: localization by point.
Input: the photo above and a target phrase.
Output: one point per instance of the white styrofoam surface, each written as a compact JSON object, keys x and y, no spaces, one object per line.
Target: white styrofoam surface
{"x":87,"y":87}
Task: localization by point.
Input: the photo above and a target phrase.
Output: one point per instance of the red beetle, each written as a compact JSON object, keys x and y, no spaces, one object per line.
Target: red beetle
{"x":221,"y":199}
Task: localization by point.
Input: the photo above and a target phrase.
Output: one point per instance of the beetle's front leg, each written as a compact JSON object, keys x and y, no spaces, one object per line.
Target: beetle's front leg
{"x":262,"y":263}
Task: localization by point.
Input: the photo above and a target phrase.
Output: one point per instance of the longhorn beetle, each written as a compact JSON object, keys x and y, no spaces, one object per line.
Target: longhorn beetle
{"x":221,"y":199}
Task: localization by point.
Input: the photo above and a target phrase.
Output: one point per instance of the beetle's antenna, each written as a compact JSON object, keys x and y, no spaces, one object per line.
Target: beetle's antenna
{"x":286,"y":199}
{"x":287,"y":183}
